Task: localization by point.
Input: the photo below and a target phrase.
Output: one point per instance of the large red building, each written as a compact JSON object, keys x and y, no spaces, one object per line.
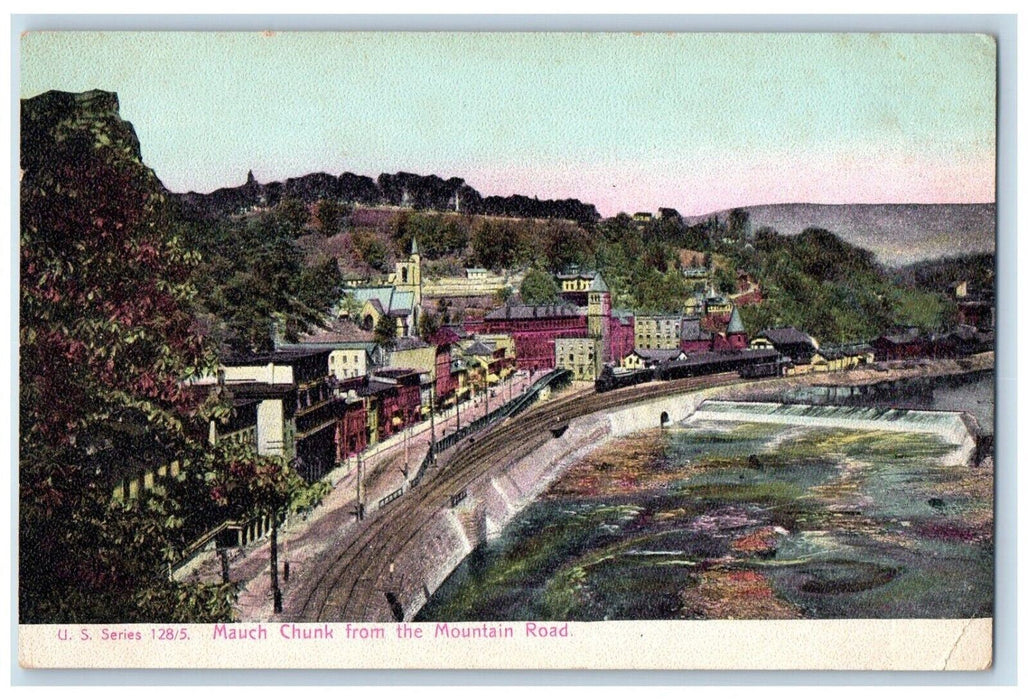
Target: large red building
{"x":535,"y":330}
{"x":397,"y":394}
{"x":352,"y":427}
{"x":446,"y":383}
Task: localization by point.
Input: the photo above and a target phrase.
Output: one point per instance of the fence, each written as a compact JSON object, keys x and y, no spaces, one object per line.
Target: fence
{"x":391,"y":497}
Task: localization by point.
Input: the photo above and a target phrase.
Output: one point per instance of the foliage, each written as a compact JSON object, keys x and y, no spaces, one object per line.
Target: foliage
{"x":328,"y":215}
{"x":437,"y":234}
{"x":538,"y":287}
{"x":496,"y":244}
{"x":385,"y":331}
{"x":107,"y":334}
{"x":253,"y":283}
{"x":371,"y":249}
{"x":979,"y":269}
{"x":428,"y":324}
{"x":293,"y":215}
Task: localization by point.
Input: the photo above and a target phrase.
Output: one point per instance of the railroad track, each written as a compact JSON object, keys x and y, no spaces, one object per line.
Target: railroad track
{"x":346,"y":587}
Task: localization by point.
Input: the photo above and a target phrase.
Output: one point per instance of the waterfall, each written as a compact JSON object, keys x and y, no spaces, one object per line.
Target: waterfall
{"x":948,"y":425}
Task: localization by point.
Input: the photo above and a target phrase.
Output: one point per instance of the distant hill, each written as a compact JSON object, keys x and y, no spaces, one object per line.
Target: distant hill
{"x":424,"y":192}
{"x":897,"y":234}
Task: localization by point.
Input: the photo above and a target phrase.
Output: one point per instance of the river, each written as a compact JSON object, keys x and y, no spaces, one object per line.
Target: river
{"x":713,"y":519}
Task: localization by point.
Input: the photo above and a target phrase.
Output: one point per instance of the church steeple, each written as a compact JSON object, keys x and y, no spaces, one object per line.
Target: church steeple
{"x":735,"y":322}
{"x":414,"y":247}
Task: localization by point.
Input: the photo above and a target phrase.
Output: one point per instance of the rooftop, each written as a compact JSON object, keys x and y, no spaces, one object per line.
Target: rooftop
{"x":526,"y":312}
{"x":278,"y":357}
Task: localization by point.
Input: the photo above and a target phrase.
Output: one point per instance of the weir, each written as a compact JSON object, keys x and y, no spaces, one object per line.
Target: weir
{"x":942,"y":423}
{"x":949,"y":426}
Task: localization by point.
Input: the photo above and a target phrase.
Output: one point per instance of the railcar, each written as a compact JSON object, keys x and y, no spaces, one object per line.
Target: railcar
{"x":748,"y":363}
{"x":611,"y":378}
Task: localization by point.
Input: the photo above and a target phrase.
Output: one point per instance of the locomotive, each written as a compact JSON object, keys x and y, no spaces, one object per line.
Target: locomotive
{"x":750,"y":364}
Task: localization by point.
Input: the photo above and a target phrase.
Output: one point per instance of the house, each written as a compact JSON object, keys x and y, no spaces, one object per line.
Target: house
{"x":693,"y":337}
{"x":694,"y":304}
{"x":352,"y":433}
{"x":378,"y":302}
{"x":839,"y":358}
{"x":698,"y":276}
{"x":642,"y":358}
{"x":622,"y":334}
{"x":393,"y":401}
{"x":400,"y":300}
{"x":790,"y":342}
{"x":411,"y":353}
{"x":347,"y":358}
{"x":734,"y":337}
{"x":297,"y":409}
{"x":717,"y":305}
{"x":906,"y":343}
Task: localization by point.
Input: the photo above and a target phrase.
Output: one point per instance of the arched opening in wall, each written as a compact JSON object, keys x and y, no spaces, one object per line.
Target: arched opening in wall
{"x":369,"y":322}
{"x":664,"y":419}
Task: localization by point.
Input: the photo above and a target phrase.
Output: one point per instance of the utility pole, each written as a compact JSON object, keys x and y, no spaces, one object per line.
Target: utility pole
{"x":275,"y":592}
{"x":431,"y":419}
{"x":360,"y":505}
{"x":406,"y":451}
{"x":285,"y":548}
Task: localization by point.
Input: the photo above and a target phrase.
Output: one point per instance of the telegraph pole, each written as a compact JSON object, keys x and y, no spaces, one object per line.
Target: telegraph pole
{"x":431,"y":419}
{"x":275,"y":592}
{"x":360,"y":505}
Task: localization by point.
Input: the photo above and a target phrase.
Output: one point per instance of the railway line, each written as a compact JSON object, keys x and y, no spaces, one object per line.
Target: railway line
{"x":354,"y":585}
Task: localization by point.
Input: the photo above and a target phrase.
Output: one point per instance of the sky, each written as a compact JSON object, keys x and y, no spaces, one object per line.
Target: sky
{"x":628,"y":122}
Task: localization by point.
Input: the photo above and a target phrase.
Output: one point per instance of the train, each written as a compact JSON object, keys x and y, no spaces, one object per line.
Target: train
{"x":750,"y":364}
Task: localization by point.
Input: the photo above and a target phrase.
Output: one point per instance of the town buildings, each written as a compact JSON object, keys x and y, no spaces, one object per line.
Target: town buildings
{"x":583,"y":357}
{"x":658,"y":332}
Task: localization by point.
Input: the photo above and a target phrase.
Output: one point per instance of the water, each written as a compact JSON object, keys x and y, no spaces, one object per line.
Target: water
{"x":716,"y":519}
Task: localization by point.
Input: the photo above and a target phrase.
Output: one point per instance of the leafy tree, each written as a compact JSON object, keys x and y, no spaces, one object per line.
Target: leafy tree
{"x":538,"y":287}
{"x":567,"y":244}
{"x":329,"y":215}
{"x":294,"y":215}
{"x":738,"y":224}
{"x":385,"y":331}
{"x":372,"y":251}
{"x":107,"y":334}
{"x":494,"y":244}
{"x":428,"y":324}
{"x":503,"y":295}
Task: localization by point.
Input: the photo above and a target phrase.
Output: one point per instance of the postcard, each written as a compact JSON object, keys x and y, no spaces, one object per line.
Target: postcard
{"x":507,"y":350}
